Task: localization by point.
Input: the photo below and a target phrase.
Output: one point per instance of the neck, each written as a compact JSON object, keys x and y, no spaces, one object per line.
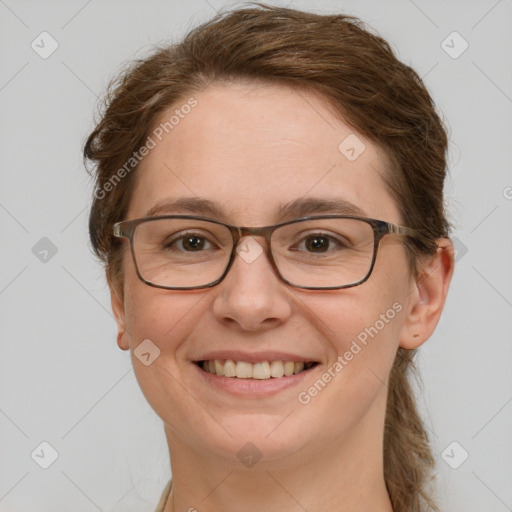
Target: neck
{"x":277,"y":491}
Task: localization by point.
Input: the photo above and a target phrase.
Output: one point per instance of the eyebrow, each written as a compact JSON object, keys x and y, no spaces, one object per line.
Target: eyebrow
{"x":301,"y":207}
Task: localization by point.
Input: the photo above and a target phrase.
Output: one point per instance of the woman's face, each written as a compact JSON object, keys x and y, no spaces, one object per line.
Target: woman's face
{"x":251,"y":149}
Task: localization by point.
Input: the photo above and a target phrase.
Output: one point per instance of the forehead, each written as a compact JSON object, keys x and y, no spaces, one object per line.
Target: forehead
{"x":251,"y":148}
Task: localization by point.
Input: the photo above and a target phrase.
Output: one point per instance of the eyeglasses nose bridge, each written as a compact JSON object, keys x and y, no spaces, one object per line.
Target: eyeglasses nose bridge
{"x":264,"y":231}
{"x":242,"y":232}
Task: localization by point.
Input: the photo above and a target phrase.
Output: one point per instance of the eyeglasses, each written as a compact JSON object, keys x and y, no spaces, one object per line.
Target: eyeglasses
{"x":325,"y":252}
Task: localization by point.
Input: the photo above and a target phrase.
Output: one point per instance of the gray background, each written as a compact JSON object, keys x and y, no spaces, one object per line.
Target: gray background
{"x":63,"y":379}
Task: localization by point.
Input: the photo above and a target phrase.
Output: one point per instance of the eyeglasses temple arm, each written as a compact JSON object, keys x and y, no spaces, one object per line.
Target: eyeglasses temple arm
{"x":118,"y":230}
{"x":402,"y":230}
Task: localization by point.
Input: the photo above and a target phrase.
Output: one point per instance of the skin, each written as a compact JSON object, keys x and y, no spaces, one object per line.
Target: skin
{"x":251,"y":147}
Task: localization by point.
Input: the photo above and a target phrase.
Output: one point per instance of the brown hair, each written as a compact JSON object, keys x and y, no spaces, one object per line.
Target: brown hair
{"x":356,"y":72}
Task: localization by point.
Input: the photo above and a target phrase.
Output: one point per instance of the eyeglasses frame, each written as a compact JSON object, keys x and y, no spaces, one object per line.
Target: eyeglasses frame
{"x":126,"y":229}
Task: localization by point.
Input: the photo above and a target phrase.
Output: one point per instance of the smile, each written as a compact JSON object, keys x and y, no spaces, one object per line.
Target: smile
{"x":262,"y":370}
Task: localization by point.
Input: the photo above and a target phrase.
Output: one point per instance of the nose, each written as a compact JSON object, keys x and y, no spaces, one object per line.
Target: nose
{"x":252,"y":296}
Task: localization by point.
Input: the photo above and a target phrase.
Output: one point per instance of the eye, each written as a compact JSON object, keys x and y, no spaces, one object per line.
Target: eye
{"x":320,"y":243}
{"x":188,"y":242}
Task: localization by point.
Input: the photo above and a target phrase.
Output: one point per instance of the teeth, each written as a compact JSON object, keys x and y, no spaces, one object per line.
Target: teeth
{"x":289,"y":366}
{"x":298,"y":367}
{"x":243,"y":370}
{"x":262,"y":371}
{"x":219,"y":369}
{"x":276,"y":369}
{"x":229,"y":368}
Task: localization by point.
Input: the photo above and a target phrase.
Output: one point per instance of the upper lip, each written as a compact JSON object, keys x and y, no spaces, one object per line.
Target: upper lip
{"x":253,"y":357}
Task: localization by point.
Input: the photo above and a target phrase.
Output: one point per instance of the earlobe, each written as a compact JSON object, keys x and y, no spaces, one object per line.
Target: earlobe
{"x":119,"y":314}
{"x":428,"y":296}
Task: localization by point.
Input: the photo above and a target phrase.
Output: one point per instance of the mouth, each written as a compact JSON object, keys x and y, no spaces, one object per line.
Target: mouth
{"x":262,"y":370}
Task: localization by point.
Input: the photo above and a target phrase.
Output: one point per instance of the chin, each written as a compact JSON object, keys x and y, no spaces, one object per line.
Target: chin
{"x":266,"y":439}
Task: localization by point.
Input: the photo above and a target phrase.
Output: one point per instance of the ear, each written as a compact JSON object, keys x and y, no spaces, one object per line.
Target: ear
{"x":427,"y":298}
{"x":117,"y":302}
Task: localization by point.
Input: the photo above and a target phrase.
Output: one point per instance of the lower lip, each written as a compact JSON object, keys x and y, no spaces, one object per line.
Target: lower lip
{"x":253,"y":387}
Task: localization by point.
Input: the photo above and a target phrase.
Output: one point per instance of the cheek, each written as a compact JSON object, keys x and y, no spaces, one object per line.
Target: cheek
{"x":363,"y":339}
{"x":155,"y":314}
{"x":362,"y":327}
{"x":166,"y":321}
{"x":163,"y":318}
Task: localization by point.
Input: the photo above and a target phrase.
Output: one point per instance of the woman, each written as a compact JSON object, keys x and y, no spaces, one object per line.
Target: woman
{"x":269,"y":210}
